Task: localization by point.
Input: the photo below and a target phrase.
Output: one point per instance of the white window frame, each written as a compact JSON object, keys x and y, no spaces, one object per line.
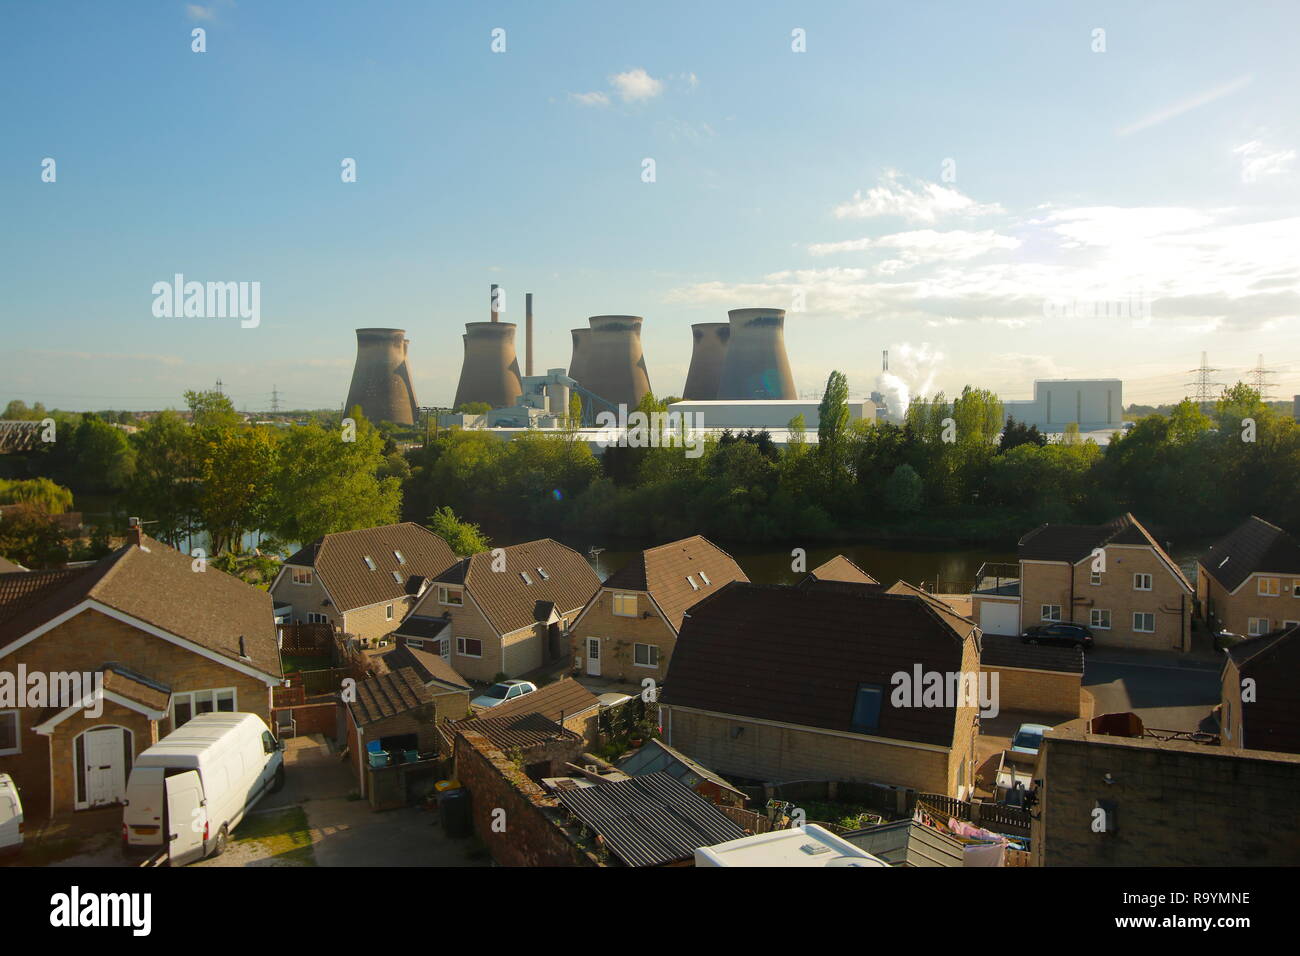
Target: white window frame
{"x":315,"y":617}
{"x":1295,"y":588}
{"x":295,"y":573}
{"x":1144,"y":630}
{"x":1286,"y":624}
{"x":388,"y":612}
{"x":461,"y":644}
{"x":652,"y":647}
{"x":1252,"y":630}
{"x":525,"y":578}
{"x":401,"y":558}
{"x":690,"y":579}
{"x":1045,"y":610}
{"x":1095,"y":579}
{"x":370,"y":562}
{"x":1093,"y":618}
{"x":444,"y":596}
{"x":416,"y":642}
{"x":541,"y":573}
{"x":1259,"y":586}
{"x":705,"y":578}
{"x":1139,"y":577}
{"x":192,"y":696}
{"x":18,"y":734}
{"x":620,"y":597}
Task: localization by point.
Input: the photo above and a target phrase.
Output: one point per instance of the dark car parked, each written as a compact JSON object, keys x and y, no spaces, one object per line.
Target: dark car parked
{"x":1064,"y":635}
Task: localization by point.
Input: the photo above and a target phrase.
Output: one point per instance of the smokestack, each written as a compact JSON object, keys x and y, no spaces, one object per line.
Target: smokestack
{"x":756,"y":366}
{"x":884,"y":359}
{"x":381,"y":379}
{"x":581,"y":348}
{"x":709,"y":353}
{"x":490,"y":372}
{"x":495,"y":310}
{"x":528,"y":334}
{"x":615,"y":365}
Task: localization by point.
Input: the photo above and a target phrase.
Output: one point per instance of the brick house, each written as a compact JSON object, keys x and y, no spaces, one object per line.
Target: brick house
{"x":1249,"y":581}
{"x":507,"y":609}
{"x":796,"y":683}
{"x":629,"y":628}
{"x":1113,"y":577}
{"x":166,"y":640}
{"x":395,"y":711}
{"x":1260,"y":700}
{"x":361,"y":582}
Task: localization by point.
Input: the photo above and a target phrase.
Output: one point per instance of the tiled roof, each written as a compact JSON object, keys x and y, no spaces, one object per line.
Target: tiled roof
{"x":1074,"y":542}
{"x":388,"y":695}
{"x":157,"y":585}
{"x":999,"y":650}
{"x":563,"y":699}
{"x":421,"y":627}
{"x":339,"y":560}
{"x":1254,"y":545}
{"x":650,"y":820}
{"x":840,"y":568}
{"x":513,"y":731}
{"x":426,"y":664}
{"x":664,"y":571}
{"x":7,"y":566}
{"x":958,"y":622}
{"x":127,"y":683}
{"x":507,"y":599}
{"x":798,"y":655}
{"x":1272,"y":719}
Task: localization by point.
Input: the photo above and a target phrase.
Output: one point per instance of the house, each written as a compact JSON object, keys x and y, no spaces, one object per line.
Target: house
{"x":1249,"y":581}
{"x":629,"y":627}
{"x":392,"y":728}
{"x":1113,"y":577}
{"x":840,"y":568}
{"x":566,"y":702}
{"x":826,"y":683}
{"x":1146,"y":798}
{"x":1260,"y":705}
{"x":507,"y":609}
{"x":451,"y":693}
{"x":360,"y":582}
{"x":149,"y":638}
{"x":655,"y":756}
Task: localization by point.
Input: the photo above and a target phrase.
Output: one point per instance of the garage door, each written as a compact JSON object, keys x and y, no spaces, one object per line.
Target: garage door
{"x":1000,"y":617}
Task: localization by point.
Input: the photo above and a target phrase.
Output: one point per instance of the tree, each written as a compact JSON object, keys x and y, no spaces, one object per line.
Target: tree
{"x":904,"y":491}
{"x":164,"y":486}
{"x":41,"y":493}
{"x":211,"y":408}
{"x":1018,"y":433}
{"x":235,"y":473}
{"x":463,"y":537}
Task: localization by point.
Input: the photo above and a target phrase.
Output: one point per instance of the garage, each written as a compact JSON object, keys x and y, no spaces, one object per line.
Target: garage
{"x":1000,"y":617}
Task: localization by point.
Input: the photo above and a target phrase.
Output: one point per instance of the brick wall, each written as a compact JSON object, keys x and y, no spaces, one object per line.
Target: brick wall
{"x":1042,"y":692}
{"x":1176,"y":804}
{"x":527,"y":831}
{"x":373,"y":622}
{"x":617,"y":634}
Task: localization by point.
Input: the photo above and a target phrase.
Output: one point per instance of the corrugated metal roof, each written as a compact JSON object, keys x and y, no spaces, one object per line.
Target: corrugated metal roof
{"x":655,"y":756}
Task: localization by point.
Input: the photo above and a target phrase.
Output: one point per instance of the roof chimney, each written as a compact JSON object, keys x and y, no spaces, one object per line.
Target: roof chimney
{"x":134,"y":533}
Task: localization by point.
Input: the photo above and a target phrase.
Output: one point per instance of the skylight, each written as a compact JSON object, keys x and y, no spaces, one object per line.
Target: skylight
{"x":543,"y":574}
{"x":691,"y":580}
{"x":398,"y":556}
{"x":527,"y":579}
{"x":705,"y":578}
{"x":370,"y":562}
{"x":397,"y":577}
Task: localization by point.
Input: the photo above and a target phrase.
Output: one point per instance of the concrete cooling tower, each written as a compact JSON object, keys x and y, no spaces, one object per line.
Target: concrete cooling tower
{"x":581,"y":346}
{"x":756,"y":366}
{"x":706,"y":360}
{"x":381,"y":381}
{"x":490,"y":372}
{"x":614,"y":367}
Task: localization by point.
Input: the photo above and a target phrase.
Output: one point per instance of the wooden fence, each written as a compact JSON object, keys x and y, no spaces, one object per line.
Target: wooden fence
{"x":991,"y":816}
{"x":307,"y":640}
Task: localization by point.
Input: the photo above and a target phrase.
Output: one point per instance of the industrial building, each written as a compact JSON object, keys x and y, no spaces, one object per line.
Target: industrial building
{"x":755,"y":365}
{"x":614,"y":365}
{"x":1094,"y":404}
{"x":381,"y":380}
{"x":772,"y":414}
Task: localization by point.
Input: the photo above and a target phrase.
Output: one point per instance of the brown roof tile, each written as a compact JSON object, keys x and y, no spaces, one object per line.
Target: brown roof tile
{"x":427,"y":665}
{"x":840,"y":568}
{"x":1254,"y":545}
{"x":561,"y":700}
{"x":388,"y":695}
{"x":663,"y":571}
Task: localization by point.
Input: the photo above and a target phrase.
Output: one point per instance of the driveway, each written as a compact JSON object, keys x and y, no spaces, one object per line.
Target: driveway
{"x":1166,"y":695}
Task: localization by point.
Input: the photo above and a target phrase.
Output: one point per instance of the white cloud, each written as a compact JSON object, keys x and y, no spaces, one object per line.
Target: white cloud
{"x":1185,"y":106}
{"x":595,"y":98}
{"x":918,"y":201}
{"x":197,"y":12}
{"x":924,"y":245}
{"x":1258,"y":161}
{"x":636,"y":85}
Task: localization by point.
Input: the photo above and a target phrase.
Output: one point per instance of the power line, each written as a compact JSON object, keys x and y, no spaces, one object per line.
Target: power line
{"x":1259,"y":378}
{"x":1203,"y":385}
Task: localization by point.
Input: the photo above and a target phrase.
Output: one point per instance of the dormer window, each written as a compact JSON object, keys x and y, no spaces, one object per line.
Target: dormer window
{"x":400,"y":558}
{"x":370,"y":562}
{"x":527,"y":579}
{"x":690,"y":579}
{"x":543,"y":575}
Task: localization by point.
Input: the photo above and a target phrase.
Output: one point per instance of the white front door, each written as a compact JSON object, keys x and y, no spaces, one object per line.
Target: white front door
{"x":593,"y":656}
{"x":104,"y":750}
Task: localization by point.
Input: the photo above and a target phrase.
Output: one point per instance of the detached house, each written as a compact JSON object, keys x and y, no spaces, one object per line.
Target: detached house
{"x":1260,"y":705}
{"x":1113,"y":577}
{"x":505,"y":610}
{"x":629,"y":627}
{"x":1249,"y":582}
{"x":789,"y":683}
{"x":149,"y":640}
{"x":362,"y":582}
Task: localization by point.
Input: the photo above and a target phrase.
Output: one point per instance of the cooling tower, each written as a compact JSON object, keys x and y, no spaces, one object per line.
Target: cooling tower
{"x":581,"y":346}
{"x":615,"y":367}
{"x":381,"y":382}
{"x":756,"y":366}
{"x":706,"y":360}
{"x":490,"y":372}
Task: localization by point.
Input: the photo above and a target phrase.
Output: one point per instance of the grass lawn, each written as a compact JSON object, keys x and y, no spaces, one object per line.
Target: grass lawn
{"x":283,"y":834}
{"x":293,"y":663}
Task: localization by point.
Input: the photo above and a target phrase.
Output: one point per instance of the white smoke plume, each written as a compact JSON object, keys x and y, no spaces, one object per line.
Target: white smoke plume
{"x":912,"y":372}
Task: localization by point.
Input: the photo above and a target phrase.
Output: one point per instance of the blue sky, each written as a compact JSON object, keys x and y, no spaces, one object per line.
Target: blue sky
{"x":1161,"y":171}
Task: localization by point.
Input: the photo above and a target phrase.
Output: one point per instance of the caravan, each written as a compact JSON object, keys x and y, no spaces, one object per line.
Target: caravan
{"x":189,"y":790}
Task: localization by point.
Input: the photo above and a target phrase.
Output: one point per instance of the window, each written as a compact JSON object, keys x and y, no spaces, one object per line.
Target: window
{"x":1269,"y":587}
{"x":469,"y":647}
{"x":1257,"y":626}
{"x":1051,"y":612}
{"x":412,"y":642}
{"x":1095,"y":578}
{"x":1141,"y":582}
{"x":1144,"y":621}
{"x":370,"y":562}
{"x":189,"y":704}
{"x":315,"y":618}
{"x":400,"y":558}
{"x":625,"y":605}
{"x":527,"y":579}
{"x":454,"y":597}
{"x":866,"y":707}
{"x":646,"y":655}
{"x":543,"y":575}
{"x":388,"y":612}
{"x":397,"y":577}
{"x":300,"y":575}
{"x":10,"y":741}
{"x":1286,"y":624}
{"x":705,"y":578}
{"x":691,"y":580}
{"x":1100,"y":618}
{"x":1295,"y":588}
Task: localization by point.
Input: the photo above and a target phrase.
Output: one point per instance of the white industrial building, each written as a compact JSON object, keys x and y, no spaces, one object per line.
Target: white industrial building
{"x":1094,"y":404}
{"x":772,"y":414}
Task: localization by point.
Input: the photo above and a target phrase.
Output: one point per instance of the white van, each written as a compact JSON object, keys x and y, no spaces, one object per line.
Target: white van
{"x":189,"y":790}
{"x":11,"y":816}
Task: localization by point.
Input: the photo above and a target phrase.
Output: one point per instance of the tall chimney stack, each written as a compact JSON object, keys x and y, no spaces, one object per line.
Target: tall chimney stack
{"x":494,"y":303}
{"x":528,"y":334}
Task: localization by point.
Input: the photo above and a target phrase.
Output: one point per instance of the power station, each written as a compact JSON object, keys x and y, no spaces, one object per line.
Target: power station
{"x":614,"y":367}
{"x":381,"y":380}
{"x":707,"y":357}
{"x":490,"y":370}
{"x":756,"y":366}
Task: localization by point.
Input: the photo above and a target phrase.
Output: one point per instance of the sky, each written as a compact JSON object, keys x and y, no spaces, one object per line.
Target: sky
{"x":994,"y":193}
